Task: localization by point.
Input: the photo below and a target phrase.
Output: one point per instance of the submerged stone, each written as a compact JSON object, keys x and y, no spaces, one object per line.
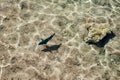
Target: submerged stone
{"x":98,"y":34}
{"x":103,"y":41}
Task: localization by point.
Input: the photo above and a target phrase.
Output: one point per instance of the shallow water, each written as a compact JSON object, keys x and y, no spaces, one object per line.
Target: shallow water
{"x":23,"y":23}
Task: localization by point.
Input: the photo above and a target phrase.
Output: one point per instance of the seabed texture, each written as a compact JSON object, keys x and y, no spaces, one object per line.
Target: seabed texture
{"x":74,"y":53}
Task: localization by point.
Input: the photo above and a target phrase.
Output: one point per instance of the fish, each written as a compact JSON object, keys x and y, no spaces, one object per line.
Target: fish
{"x":45,"y":41}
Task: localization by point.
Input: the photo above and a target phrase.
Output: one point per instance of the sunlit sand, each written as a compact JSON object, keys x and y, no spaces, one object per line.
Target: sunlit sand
{"x":68,"y":56}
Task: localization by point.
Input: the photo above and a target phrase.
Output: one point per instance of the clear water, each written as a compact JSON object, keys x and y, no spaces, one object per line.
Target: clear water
{"x":23,"y":23}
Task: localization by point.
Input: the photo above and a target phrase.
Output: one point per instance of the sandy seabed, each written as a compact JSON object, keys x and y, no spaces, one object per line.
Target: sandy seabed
{"x":23,"y":23}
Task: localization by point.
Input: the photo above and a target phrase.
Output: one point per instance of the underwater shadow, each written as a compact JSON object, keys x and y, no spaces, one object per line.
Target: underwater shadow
{"x":104,"y":41}
{"x":52,"y":48}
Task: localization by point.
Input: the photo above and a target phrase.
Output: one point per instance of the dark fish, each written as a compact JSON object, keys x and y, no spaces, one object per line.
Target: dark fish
{"x":45,"y":41}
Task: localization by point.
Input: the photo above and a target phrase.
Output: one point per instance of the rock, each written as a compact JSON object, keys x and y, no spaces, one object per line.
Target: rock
{"x":96,"y":32}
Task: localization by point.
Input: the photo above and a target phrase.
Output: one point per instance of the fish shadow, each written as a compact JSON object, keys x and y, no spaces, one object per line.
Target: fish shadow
{"x":104,"y":41}
{"x":52,"y":48}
